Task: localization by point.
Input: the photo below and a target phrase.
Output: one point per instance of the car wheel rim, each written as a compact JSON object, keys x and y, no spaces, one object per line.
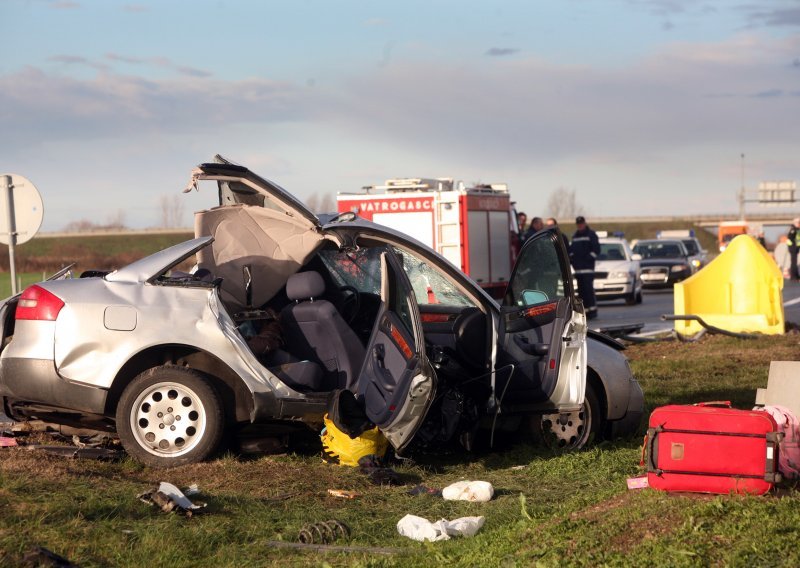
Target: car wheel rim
{"x":168,"y":419}
{"x":568,"y":430}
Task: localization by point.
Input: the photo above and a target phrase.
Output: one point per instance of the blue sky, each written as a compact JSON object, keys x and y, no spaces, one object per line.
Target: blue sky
{"x":641,"y":107}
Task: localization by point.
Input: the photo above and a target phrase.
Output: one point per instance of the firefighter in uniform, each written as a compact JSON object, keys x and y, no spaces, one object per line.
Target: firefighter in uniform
{"x":794,"y":246}
{"x":583,"y":252}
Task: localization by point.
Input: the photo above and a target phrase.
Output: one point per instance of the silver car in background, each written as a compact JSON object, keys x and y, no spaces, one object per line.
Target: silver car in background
{"x":617,"y":272}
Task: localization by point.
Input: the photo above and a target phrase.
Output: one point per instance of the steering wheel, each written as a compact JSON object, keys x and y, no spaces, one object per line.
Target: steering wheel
{"x":349,"y":303}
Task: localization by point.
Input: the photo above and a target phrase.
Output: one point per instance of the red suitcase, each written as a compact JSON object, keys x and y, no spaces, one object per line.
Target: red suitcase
{"x":707,"y":448}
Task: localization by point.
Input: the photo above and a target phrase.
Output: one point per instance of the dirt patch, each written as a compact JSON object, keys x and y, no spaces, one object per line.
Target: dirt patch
{"x":601,"y":510}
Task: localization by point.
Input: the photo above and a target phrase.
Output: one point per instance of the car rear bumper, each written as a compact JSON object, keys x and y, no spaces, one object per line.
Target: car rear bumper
{"x":36,"y":380}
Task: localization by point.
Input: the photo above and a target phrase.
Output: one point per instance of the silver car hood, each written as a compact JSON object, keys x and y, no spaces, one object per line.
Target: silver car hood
{"x":612,"y":265}
{"x":158,"y":263}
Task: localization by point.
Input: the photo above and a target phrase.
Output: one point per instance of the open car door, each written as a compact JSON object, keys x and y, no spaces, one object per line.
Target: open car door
{"x":544,"y":328}
{"x":396,"y":383}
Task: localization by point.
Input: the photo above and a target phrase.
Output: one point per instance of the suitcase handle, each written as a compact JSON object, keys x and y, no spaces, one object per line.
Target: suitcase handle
{"x":649,"y":447}
{"x":722,"y":403}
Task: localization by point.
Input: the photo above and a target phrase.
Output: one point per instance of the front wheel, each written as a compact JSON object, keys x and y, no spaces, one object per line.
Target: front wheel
{"x":169,"y":416}
{"x":571,"y":430}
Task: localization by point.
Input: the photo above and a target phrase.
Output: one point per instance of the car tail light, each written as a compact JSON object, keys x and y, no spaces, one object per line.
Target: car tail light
{"x":36,"y":303}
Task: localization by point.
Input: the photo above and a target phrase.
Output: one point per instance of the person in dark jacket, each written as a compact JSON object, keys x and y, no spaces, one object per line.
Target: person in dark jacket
{"x":794,"y":246}
{"x":536,"y":226}
{"x":583,"y":252}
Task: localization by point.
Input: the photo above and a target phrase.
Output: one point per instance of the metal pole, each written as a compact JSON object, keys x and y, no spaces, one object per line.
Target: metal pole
{"x":12,"y":231}
{"x":741,"y":194}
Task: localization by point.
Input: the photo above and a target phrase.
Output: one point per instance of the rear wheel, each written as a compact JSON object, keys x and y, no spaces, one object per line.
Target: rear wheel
{"x":571,"y":430}
{"x":170,"y":416}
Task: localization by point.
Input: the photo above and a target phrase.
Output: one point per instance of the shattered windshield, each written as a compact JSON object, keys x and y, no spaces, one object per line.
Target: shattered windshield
{"x":429,"y":284}
{"x":361,"y":269}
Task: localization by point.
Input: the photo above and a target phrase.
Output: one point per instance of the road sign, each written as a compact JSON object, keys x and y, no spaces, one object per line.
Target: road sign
{"x":24,"y":200}
{"x":21,"y":214}
{"x":776,"y":193}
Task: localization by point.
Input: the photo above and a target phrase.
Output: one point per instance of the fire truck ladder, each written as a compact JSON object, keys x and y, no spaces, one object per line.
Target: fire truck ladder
{"x":448,"y":226}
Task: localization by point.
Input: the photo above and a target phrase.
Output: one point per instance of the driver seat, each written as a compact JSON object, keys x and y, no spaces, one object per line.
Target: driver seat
{"x":313,"y":329}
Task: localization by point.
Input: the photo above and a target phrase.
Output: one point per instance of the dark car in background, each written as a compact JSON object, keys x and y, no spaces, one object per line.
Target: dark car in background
{"x":664,"y":262}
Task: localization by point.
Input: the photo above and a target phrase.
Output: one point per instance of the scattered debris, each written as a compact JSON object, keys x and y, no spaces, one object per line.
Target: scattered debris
{"x":323,"y":532}
{"x":639,"y":482}
{"x":332,"y":548}
{"x":789,"y":425}
{"x":377,"y":472}
{"x":343,"y":493}
{"x":417,"y":528}
{"x":338,"y":447}
{"x":7,"y":442}
{"x":424,"y":490}
{"x":75,"y":452}
{"x":40,"y":556}
{"x":517,"y":467}
{"x":481,"y":491}
{"x":169,"y":498}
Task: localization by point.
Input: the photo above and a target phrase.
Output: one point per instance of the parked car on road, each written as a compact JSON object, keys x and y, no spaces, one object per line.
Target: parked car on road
{"x":617,"y":273}
{"x":698,"y":256}
{"x":172,"y":360}
{"x":663,"y":263}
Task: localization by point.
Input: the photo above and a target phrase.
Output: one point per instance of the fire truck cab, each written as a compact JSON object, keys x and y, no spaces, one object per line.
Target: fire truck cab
{"x":471,"y":226}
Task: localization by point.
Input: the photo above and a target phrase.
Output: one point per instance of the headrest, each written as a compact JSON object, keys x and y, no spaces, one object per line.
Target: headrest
{"x":305,"y":285}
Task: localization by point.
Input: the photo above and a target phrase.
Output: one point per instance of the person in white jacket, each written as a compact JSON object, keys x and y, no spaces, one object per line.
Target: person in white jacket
{"x":782,"y":256}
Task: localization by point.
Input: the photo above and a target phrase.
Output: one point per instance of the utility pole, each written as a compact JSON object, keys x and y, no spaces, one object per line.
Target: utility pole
{"x":741,"y":192}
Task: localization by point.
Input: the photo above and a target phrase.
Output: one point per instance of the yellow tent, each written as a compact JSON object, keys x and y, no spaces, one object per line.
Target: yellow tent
{"x":739,"y":291}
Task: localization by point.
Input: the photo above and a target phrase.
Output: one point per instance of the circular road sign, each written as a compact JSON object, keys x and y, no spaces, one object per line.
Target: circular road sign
{"x":28,"y":208}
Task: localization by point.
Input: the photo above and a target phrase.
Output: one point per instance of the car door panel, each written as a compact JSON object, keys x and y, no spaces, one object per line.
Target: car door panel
{"x":396,"y":382}
{"x":391,"y":364}
{"x":544,"y":329}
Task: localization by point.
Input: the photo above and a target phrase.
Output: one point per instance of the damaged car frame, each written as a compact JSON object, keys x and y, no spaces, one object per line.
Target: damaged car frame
{"x":171,"y":360}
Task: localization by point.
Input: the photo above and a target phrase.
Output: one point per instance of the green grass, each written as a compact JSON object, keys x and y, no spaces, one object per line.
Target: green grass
{"x":24,"y":279}
{"x":556,"y":510}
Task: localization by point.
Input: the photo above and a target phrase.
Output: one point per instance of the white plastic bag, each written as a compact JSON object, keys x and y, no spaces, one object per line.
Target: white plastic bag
{"x":468,"y":491}
{"x":417,"y":528}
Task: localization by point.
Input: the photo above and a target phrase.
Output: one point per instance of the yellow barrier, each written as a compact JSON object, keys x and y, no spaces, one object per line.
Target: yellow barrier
{"x":739,"y":291}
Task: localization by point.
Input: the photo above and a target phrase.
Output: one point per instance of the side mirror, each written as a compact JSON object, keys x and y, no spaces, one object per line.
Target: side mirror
{"x":530,"y":297}
{"x":636,"y":256}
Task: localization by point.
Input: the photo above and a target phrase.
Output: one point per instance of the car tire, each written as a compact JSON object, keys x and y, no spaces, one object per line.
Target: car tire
{"x":630,"y":300}
{"x":571,"y":431}
{"x":169,"y":416}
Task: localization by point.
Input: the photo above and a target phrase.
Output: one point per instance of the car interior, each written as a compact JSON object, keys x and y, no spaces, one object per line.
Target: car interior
{"x":327,"y":300}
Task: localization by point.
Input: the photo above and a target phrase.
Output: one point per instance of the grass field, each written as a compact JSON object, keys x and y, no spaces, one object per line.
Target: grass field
{"x":549,"y":509}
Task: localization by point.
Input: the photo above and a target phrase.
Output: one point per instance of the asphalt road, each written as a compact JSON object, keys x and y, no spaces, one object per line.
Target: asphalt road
{"x":658,"y":302}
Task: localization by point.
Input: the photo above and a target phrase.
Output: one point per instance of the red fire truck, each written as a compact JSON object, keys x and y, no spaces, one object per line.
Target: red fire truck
{"x":472,"y":227}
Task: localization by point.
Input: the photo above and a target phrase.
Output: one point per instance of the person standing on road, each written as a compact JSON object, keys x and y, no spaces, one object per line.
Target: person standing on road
{"x":583,"y":252}
{"x":781,"y":255}
{"x":794,"y":246}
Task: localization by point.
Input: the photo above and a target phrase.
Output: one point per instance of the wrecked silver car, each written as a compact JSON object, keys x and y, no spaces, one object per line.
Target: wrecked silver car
{"x":281,"y":311}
